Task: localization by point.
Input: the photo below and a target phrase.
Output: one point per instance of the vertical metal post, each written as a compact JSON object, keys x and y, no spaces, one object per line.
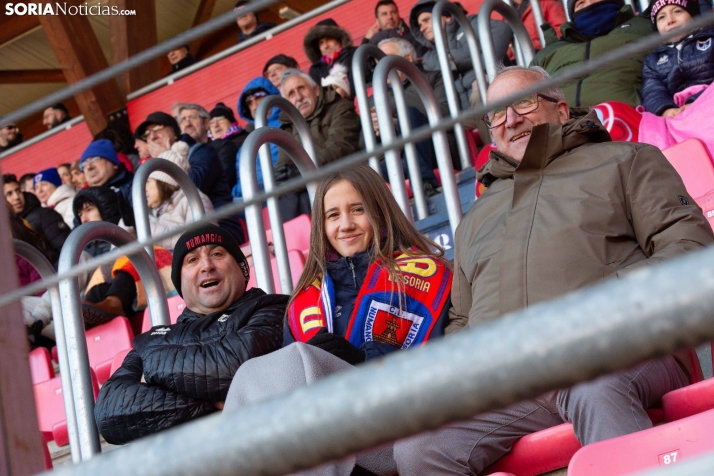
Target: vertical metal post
{"x":249,"y":184}
{"x":45,"y":269}
{"x":141,"y":207}
{"x":565,"y":7}
{"x":452,"y":97}
{"x":631,"y":4}
{"x":539,"y":20}
{"x":441,"y":144}
{"x":266,"y":165}
{"x":521,"y":38}
{"x":359,"y":63}
{"x":75,"y":338}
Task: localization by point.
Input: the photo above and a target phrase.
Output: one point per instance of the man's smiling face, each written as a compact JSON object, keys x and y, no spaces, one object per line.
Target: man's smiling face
{"x":211,"y":279}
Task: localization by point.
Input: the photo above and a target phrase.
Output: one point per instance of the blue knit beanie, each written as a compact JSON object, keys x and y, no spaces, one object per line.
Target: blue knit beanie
{"x":101,"y":148}
{"x":48,"y":175}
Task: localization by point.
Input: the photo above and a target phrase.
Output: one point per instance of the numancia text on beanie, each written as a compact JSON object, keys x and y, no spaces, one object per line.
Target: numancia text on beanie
{"x":691,"y":6}
{"x":101,"y":148}
{"x":206,"y":235}
{"x":48,"y":175}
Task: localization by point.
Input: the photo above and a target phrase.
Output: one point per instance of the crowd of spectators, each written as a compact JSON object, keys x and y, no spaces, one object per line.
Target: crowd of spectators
{"x":359,"y":235}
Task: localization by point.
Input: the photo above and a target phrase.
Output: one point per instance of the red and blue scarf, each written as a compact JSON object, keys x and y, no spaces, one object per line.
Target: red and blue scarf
{"x":378,"y":314}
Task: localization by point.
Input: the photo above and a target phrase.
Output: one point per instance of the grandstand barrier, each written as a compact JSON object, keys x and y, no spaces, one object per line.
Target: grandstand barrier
{"x":266,"y":165}
{"x":537,"y":17}
{"x":555,"y":344}
{"x":141,"y":207}
{"x":442,"y":52}
{"x":441,"y":146}
{"x":72,"y":333}
{"x":45,"y":269}
{"x":254,"y":213}
{"x":521,"y":39}
{"x":360,"y":62}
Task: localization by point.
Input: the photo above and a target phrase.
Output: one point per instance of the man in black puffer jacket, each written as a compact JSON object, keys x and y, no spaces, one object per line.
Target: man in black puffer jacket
{"x":47,"y":223}
{"x":180,"y":372}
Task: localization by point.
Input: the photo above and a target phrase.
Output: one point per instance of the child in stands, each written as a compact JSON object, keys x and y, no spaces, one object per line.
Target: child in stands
{"x":675,"y":74}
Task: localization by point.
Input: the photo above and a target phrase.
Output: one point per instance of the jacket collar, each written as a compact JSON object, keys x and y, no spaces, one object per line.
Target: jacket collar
{"x":572,"y":35}
{"x":547,"y":143}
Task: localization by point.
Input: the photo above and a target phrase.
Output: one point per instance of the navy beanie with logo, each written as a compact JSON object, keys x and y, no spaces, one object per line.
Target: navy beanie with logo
{"x":206,"y":235}
{"x":101,"y":148}
{"x":48,"y":175}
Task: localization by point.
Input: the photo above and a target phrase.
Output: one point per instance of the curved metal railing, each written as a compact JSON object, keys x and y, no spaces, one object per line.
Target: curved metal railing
{"x":521,"y":39}
{"x":359,"y":62}
{"x":73,"y":331}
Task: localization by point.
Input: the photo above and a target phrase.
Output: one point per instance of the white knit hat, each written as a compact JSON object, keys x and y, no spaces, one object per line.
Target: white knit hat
{"x":338,"y":77}
{"x":178,"y":154}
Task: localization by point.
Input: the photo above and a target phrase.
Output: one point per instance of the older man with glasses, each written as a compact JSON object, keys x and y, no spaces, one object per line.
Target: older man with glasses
{"x":9,"y":137}
{"x":565,"y":208}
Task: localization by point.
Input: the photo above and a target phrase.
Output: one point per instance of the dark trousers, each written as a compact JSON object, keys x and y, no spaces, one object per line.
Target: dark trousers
{"x":122,"y":286}
{"x":425,"y":150}
{"x":609,"y":406}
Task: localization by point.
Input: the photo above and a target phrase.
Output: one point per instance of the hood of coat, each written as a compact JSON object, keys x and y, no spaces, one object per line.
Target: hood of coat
{"x":327,"y":96}
{"x":256,"y":85}
{"x":547,"y":143}
{"x":414,"y":24}
{"x":312,"y":40}
{"x":63,"y":192}
{"x":31,"y":203}
{"x":104,"y":198}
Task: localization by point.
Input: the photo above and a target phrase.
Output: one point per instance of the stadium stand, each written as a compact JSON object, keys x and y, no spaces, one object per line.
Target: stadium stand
{"x":41,"y":365}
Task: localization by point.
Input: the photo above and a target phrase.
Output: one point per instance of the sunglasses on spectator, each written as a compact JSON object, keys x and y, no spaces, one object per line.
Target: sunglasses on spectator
{"x":148,"y":132}
{"x":9,"y":127}
{"x":86,"y":162}
{"x":496,"y":117}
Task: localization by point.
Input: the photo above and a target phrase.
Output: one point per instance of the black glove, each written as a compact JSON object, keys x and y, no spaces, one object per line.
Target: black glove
{"x":125,"y":209}
{"x":337,"y":346}
{"x":35,"y":330}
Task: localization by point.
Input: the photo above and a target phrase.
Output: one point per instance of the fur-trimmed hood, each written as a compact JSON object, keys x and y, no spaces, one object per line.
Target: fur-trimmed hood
{"x":324,"y":29}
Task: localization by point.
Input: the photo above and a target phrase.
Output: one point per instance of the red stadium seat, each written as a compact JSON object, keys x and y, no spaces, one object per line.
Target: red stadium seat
{"x":547,"y":450}
{"x":118,"y":360}
{"x":103,"y":343}
{"x":691,"y":159}
{"x":41,"y":365}
{"x":50,"y":409}
{"x":690,"y":400}
{"x":297,"y":264}
{"x":659,"y":446}
{"x":621,"y":120}
{"x":176,"y":307}
{"x":297,"y":233}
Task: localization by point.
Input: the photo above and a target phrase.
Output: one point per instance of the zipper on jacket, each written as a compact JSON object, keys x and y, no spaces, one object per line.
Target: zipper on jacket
{"x":580,"y":82}
{"x":352,"y":267}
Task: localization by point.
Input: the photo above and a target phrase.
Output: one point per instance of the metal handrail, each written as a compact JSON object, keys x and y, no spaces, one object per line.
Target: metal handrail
{"x":565,"y":7}
{"x":388,"y":68}
{"x":521,"y":38}
{"x":141,"y":207}
{"x":539,"y":21}
{"x":253,"y":212}
{"x":551,"y":345}
{"x":65,"y":126}
{"x":452,"y":97}
{"x":359,"y":62}
{"x":73,"y":331}
{"x":276,"y":220}
{"x":45,"y":269}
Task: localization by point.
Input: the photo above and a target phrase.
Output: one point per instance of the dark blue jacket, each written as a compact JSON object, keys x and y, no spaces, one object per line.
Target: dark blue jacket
{"x":348,"y":275}
{"x":207,"y":174}
{"x":121,"y":184}
{"x":254,"y":85}
{"x":669,"y":70}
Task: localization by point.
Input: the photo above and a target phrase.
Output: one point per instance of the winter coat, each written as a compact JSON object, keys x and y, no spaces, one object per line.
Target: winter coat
{"x":577,"y":209}
{"x":620,"y":82}
{"x":257,"y":84}
{"x":173,"y":214}
{"x":670,"y":69}
{"x":227,"y":151}
{"x":553,"y":15}
{"x":26,"y":273}
{"x":187,"y":366}
{"x":319,"y":69}
{"x":61,"y":201}
{"x":334,"y":126}
{"x":208,"y":176}
{"x":260,"y":28}
{"x":48,"y":223}
{"x":404,"y":32}
{"x":462,"y":67}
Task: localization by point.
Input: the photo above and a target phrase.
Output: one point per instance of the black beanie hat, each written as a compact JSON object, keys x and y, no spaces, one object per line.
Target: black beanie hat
{"x":285,"y":60}
{"x":206,"y":235}
{"x":691,"y":6}
{"x":221,"y":110}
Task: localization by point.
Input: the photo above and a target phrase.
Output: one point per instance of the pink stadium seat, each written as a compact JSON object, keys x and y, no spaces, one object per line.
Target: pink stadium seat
{"x":176,"y":307}
{"x":297,"y":233}
{"x":103,"y":343}
{"x":118,"y":360}
{"x":547,"y":450}
{"x":297,"y":264}
{"x":50,"y":409}
{"x":691,"y":159}
{"x":659,"y":446}
{"x":690,"y":400}
{"x":41,"y":365}
{"x":266,"y":218}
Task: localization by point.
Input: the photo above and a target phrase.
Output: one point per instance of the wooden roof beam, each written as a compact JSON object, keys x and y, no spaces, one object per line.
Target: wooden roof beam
{"x":27,"y":76}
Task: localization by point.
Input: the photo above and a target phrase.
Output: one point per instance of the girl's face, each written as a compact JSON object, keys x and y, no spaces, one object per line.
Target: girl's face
{"x":153,"y":198}
{"x":44,"y":190}
{"x":346,"y":224}
{"x":671,"y":17}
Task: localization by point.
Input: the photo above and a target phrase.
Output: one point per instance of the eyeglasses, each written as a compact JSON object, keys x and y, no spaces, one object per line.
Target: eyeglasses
{"x":148,"y":132}
{"x":89,"y":161}
{"x":496,"y":117}
{"x":191,"y":118}
{"x":9,"y":127}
